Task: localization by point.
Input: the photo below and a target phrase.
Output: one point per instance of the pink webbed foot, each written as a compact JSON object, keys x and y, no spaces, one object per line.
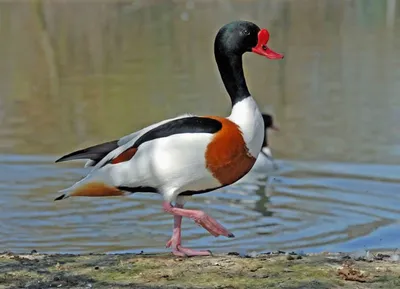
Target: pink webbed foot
{"x":190,"y":252}
{"x":180,"y":251}
{"x":211,"y":225}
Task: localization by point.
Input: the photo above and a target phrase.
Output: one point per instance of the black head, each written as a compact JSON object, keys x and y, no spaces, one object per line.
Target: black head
{"x":231,"y":42}
{"x":269,"y":121}
{"x":239,"y":37}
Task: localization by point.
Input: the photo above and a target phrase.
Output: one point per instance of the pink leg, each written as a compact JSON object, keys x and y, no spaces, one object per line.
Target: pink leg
{"x":201,"y":218}
{"x":175,"y":241}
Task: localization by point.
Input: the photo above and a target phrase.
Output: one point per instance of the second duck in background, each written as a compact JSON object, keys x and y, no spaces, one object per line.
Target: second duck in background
{"x":265,"y":162}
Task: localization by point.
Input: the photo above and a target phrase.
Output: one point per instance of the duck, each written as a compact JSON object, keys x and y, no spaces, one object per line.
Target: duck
{"x":189,"y":154}
{"x":265,"y":161}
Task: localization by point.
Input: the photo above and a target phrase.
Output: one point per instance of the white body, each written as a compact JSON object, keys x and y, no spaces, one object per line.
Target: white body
{"x":176,"y":163}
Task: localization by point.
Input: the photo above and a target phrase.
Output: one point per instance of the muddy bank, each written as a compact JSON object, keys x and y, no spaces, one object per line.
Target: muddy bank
{"x":275,"y":270}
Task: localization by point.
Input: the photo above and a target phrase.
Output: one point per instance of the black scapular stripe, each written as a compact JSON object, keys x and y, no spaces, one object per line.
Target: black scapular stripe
{"x":192,"y":124}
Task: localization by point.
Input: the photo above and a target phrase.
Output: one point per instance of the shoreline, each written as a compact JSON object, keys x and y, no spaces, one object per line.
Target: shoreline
{"x":270,"y":270}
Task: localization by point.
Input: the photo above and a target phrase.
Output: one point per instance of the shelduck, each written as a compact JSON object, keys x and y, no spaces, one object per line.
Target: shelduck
{"x":188,"y":154}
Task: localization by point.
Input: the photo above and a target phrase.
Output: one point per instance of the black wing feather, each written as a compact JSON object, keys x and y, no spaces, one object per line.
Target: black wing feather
{"x":94,"y":153}
{"x":192,"y":124}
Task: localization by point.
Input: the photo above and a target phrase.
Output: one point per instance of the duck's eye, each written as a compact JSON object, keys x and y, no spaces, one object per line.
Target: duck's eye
{"x":246,"y":32}
{"x":264,"y":47}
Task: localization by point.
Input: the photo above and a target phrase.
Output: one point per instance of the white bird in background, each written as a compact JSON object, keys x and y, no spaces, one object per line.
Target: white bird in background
{"x":265,"y":162}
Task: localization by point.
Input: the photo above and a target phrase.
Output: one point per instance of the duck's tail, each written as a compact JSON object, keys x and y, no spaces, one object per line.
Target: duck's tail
{"x":92,"y":189}
{"x":61,"y":197}
{"x":95,"y":185}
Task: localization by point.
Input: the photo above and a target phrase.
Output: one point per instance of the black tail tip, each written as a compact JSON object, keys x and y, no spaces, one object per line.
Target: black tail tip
{"x":59,"y":160}
{"x":60,"y":197}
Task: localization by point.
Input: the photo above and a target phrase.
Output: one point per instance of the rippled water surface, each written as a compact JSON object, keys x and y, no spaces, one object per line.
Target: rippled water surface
{"x":72,"y":75}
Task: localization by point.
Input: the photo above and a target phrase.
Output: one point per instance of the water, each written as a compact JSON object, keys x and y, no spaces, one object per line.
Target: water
{"x":72,"y":75}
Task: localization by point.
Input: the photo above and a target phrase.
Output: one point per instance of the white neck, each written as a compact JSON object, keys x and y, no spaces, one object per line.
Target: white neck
{"x":247,"y":116}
